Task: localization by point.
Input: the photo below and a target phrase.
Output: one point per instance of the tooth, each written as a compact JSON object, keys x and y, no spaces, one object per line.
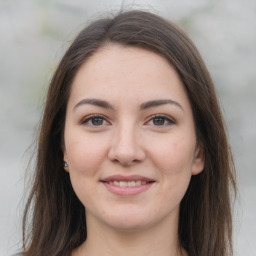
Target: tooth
{"x":116,"y":183}
{"x":138,"y":183}
{"x":131,"y":184}
{"x":123,"y":184}
{"x":128,"y":183}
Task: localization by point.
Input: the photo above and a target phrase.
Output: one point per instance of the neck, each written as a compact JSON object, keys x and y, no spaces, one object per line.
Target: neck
{"x":157,"y":240}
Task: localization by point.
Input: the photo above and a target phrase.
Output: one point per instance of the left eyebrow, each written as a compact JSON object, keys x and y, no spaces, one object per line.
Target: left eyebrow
{"x":156,"y":103}
{"x":95,"y":102}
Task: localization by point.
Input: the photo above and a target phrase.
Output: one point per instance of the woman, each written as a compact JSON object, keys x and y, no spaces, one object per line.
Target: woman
{"x":132,"y":155}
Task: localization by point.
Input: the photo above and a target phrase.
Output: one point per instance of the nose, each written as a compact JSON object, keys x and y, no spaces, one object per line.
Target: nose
{"x":126,"y":148}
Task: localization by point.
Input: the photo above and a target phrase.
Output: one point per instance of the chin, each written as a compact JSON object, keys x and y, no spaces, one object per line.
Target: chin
{"x":131,"y":225}
{"x":129,"y":221}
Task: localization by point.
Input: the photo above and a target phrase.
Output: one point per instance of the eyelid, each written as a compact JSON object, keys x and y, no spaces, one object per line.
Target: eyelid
{"x":167,"y":118}
{"x":87,"y":118}
{"x":170,"y":120}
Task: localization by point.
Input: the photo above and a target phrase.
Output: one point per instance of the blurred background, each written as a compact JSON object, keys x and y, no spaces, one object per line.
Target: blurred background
{"x":35,"y":33}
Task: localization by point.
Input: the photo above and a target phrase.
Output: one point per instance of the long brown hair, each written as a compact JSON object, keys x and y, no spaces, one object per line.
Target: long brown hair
{"x":54,"y":220}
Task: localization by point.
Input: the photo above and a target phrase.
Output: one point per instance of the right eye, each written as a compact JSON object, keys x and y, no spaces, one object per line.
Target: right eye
{"x":95,"y":120}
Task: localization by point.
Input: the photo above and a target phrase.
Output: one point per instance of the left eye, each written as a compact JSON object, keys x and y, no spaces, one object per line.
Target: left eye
{"x":160,"y":121}
{"x":95,"y":121}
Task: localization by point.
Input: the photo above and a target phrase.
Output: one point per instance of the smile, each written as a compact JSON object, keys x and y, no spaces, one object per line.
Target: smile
{"x":127,"y":185}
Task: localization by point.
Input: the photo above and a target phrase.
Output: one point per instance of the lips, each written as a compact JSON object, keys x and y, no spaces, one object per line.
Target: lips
{"x":127,"y":181}
{"x":127,"y":185}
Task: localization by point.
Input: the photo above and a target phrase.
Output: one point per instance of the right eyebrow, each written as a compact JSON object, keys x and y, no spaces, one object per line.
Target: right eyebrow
{"x":95,"y":102}
{"x":156,"y":103}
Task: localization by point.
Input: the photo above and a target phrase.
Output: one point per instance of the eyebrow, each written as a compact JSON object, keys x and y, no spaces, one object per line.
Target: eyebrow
{"x":143,"y":106}
{"x":156,"y":103}
{"x":95,"y":102}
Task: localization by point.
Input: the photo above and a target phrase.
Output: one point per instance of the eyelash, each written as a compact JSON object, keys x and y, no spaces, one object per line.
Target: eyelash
{"x":164,"y":118}
{"x":167,"y":120}
{"x":90,"y":118}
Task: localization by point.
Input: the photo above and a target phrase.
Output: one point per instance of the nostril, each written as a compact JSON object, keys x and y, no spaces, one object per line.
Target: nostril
{"x":126,"y":150}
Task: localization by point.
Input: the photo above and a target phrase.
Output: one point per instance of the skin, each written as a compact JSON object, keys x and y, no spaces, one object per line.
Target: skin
{"x":127,"y":139}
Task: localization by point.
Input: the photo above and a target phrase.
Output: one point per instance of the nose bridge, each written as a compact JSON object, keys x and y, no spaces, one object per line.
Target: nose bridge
{"x":125,"y":146}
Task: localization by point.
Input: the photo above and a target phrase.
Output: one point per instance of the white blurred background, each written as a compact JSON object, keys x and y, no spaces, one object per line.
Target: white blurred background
{"x":35,"y":33}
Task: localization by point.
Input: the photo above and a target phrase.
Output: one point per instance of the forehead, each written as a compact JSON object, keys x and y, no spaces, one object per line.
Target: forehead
{"x":121,"y":72}
{"x":115,"y":59}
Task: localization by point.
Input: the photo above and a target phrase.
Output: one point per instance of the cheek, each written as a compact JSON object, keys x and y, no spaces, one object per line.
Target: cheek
{"x":174,"y":155}
{"x":174,"y":160}
{"x":84,"y":153}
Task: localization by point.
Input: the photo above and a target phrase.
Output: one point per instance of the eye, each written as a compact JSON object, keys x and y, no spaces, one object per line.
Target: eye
{"x":160,"y":120}
{"x":95,"y":120}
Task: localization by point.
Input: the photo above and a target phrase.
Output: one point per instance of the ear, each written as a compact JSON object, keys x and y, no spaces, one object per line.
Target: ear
{"x":65,"y":159}
{"x":199,"y":159}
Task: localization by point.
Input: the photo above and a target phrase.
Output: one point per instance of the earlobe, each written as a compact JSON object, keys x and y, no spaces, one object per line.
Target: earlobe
{"x":65,"y":162}
{"x":65,"y":166}
{"x":199,"y":160}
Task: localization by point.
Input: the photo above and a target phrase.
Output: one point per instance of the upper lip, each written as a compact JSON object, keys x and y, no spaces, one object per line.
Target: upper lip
{"x":127,"y":178}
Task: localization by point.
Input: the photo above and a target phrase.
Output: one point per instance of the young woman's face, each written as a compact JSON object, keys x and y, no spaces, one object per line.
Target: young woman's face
{"x":130,"y":139}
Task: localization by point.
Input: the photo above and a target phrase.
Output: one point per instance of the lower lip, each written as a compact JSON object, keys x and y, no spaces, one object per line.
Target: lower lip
{"x":127,"y":191}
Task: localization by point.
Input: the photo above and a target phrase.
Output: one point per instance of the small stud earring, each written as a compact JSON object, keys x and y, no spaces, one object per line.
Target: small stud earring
{"x":65,"y":165}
